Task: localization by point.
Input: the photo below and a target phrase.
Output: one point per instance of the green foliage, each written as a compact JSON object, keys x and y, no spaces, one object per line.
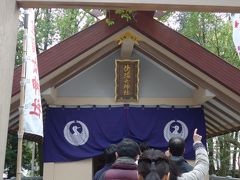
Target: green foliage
{"x":88,"y":20}
{"x":45,"y":29}
{"x":71,"y":21}
{"x":11,"y":155}
{"x":165,"y":17}
{"x":210,"y":143}
{"x":220,"y":43}
{"x":125,"y":14}
{"x":110,"y":22}
{"x":19,"y":48}
{"x":213,"y":31}
{"x":67,"y":22}
{"x":53,"y":26}
{"x":223,"y":151}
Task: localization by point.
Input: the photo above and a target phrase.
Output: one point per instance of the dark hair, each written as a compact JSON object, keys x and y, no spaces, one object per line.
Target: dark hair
{"x":109,"y":153}
{"x":143,"y":146}
{"x":129,"y":148}
{"x":153,"y":165}
{"x":174,"y":170}
{"x":176,"y":146}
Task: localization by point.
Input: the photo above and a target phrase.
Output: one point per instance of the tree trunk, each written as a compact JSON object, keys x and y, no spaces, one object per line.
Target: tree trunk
{"x":211,"y":156}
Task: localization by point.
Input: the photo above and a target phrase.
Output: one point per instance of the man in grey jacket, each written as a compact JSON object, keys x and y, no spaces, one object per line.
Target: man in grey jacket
{"x":201,"y":167}
{"x":153,"y":164}
{"x":176,"y":147}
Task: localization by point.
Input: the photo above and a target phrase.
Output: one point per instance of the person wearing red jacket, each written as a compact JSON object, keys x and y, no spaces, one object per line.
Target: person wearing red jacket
{"x":124,"y":168}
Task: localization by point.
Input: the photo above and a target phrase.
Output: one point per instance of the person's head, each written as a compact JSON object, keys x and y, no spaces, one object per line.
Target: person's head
{"x":153,"y":164}
{"x":176,"y":146}
{"x":129,"y":148}
{"x":143,"y":146}
{"x":110,"y":153}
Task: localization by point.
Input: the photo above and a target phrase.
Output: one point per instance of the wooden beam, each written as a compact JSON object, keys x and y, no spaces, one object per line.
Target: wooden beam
{"x":217,"y":128}
{"x":201,"y":95}
{"x":50,"y":95}
{"x":214,"y":123}
{"x":167,"y":5}
{"x":217,"y":119}
{"x":227,"y":106}
{"x":224,"y":111}
{"x":126,"y":49}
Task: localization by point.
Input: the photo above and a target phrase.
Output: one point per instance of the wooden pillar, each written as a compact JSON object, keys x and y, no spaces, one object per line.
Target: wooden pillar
{"x":8,"y":39}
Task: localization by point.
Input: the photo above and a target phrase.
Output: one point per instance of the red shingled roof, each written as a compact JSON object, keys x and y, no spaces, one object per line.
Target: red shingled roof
{"x":69,"y":49}
{"x":192,"y":53}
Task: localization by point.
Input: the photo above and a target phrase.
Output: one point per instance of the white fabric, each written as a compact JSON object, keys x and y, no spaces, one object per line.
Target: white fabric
{"x":32,"y":113}
{"x":236,"y":32}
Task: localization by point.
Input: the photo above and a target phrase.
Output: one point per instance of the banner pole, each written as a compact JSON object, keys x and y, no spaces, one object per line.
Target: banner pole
{"x":22,"y":101}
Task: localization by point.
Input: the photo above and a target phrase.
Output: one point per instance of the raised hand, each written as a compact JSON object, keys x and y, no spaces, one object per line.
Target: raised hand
{"x":196,"y":136}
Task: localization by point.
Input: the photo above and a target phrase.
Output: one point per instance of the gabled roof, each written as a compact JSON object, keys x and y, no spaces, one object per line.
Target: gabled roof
{"x":180,"y":55}
{"x":69,"y":49}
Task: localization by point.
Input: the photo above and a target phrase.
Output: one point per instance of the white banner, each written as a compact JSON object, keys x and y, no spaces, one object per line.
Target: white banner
{"x":236,"y":32}
{"x":33,"y":108}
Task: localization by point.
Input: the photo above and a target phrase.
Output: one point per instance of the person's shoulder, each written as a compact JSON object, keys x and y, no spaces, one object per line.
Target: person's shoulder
{"x":100,"y":172}
{"x":180,"y":178}
{"x":97,"y":175}
{"x":177,"y":158}
{"x":102,"y":176}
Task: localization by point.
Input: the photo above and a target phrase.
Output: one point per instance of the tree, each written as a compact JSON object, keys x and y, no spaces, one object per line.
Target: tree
{"x":223,"y":155}
{"x":45,"y":29}
{"x":53,"y":26}
{"x":11,"y":155}
{"x":213,"y":31}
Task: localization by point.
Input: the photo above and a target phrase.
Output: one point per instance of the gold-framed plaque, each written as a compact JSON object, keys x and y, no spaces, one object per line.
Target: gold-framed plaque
{"x":126,"y":80}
